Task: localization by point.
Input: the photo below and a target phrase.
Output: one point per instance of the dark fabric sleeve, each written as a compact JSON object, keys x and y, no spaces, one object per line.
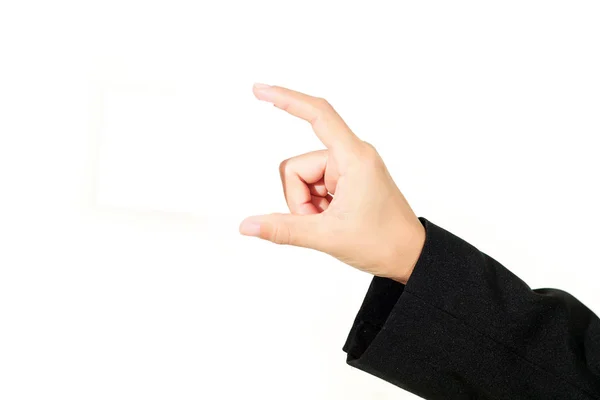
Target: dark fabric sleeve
{"x":465,"y":327}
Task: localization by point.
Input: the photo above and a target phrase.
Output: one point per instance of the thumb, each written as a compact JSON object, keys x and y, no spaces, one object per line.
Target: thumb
{"x":296,"y":230}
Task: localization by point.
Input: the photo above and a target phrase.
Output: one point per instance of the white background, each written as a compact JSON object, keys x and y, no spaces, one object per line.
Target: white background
{"x":131,"y":147}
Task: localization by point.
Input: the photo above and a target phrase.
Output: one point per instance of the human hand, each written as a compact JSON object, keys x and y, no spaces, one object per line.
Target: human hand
{"x":342,"y":200}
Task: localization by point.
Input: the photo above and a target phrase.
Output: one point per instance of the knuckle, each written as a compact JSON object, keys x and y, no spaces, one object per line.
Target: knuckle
{"x":370,"y":146}
{"x":283,"y":166}
{"x":322,"y":106}
{"x":285,"y":106}
{"x":323,"y":103}
{"x":369,"y":155}
{"x":281,"y":235}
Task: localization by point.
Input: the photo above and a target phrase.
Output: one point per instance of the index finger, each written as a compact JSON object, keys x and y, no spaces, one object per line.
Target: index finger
{"x":329,"y":127}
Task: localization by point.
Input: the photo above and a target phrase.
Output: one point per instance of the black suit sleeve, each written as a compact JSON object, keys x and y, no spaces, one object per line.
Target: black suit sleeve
{"x":465,"y":327}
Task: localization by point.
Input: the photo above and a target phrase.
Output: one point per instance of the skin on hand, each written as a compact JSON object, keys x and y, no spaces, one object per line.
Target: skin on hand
{"x":342,"y":200}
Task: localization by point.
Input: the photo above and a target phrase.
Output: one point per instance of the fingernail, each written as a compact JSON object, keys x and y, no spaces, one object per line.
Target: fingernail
{"x":261,"y":86}
{"x":249,"y":228}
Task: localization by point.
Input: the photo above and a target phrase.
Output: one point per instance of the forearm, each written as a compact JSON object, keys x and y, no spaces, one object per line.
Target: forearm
{"x":465,"y":325}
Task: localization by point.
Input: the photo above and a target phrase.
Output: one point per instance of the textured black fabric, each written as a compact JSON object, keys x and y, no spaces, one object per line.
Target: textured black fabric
{"x":465,"y":327}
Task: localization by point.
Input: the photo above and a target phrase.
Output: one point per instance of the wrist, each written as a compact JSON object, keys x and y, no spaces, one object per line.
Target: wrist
{"x":403,"y":267}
